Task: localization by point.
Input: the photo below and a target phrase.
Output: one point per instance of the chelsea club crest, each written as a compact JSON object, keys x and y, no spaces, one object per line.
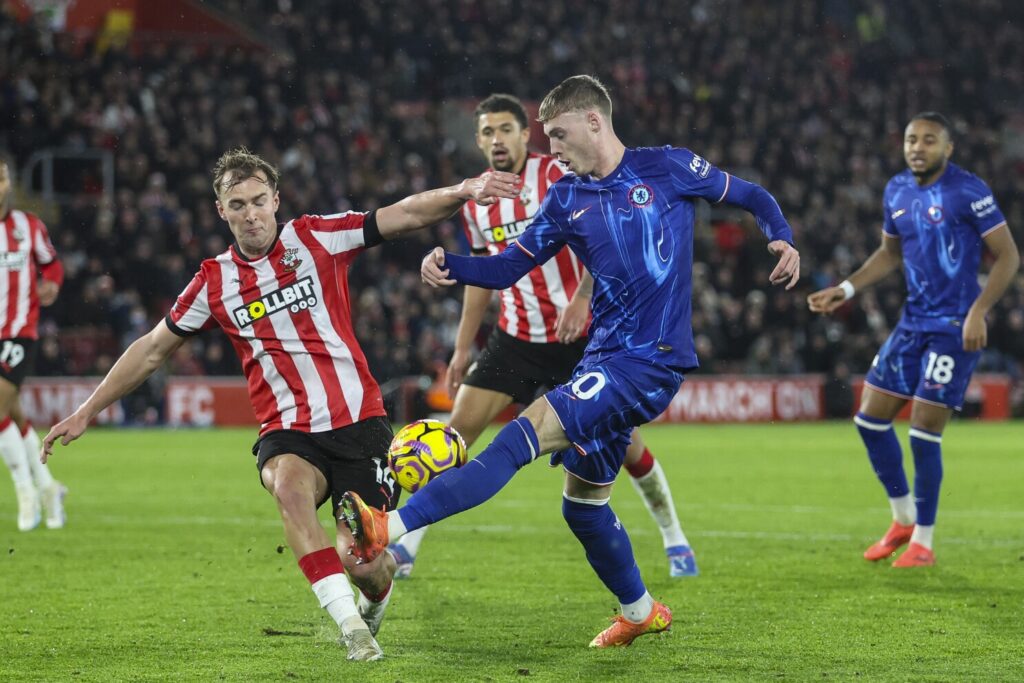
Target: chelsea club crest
{"x":640,"y":195}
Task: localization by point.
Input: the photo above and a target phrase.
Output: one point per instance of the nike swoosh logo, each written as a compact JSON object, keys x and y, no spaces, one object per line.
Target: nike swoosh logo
{"x":898,"y":214}
{"x":577,"y":214}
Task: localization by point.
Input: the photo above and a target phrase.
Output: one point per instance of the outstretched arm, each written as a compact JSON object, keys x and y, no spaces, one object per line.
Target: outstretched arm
{"x":1000,"y":243}
{"x":766,"y":211}
{"x":138,"y":362}
{"x":439,"y":268}
{"x":433,"y":206}
{"x":886,"y":259}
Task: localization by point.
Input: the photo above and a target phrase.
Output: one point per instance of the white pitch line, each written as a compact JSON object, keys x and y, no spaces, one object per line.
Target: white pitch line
{"x":635,"y":530}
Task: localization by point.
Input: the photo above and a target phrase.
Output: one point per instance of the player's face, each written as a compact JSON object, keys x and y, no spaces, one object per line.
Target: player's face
{"x":250,"y":209}
{"x":926,"y":148}
{"x":502,"y":140}
{"x":5,"y":188}
{"x":572,"y":141}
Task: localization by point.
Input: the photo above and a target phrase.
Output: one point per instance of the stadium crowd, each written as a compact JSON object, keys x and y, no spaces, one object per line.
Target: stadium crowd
{"x":808,"y":98}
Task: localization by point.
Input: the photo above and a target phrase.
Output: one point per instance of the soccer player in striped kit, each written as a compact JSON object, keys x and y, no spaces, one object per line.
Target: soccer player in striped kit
{"x":32,"y":276}
{"x":281,"y":295}
{"x":937,"y":218}
{"x":540,"y":336}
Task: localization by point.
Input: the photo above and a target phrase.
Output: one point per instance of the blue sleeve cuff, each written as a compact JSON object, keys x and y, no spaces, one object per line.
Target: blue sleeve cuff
{"x":490,"y":272}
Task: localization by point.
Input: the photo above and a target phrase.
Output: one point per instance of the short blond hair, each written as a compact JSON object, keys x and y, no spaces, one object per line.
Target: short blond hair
{"x":576,"y":93}
{"x":242,"y":165}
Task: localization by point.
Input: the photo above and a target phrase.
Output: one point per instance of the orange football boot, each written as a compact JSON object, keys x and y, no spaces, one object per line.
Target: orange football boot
{"x":369,"y":527}
{"x":622,"y":632}
{"x":897,"y":536}
{"x":916,"y":555}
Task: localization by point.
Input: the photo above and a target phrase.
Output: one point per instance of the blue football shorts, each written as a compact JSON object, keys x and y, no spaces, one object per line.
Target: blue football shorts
{"x":599,"y":407}
{"x":928,"y":366}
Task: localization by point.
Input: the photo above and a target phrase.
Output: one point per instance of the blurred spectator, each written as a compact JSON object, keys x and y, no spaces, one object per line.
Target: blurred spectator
{"x":807,"y":97}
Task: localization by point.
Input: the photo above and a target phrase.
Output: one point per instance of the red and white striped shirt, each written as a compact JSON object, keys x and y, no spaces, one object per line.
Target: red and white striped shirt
{"x":288,"y":316}
{"x":25,"y":253}
{"x":529,"y":308}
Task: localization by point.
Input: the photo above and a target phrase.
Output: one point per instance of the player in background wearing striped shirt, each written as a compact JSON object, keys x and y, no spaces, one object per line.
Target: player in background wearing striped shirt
{"x":32,"y":276}
{"x":938,"y":217}
{"x":541,"y":332}
{"x":281,"y":295}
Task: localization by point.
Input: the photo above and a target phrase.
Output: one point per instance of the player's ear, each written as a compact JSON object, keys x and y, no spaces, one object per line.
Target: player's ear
{"x":525,"y":134}
{"x":220,"y":210}
{"x":277,"y":200}
{"x":594,"y":121}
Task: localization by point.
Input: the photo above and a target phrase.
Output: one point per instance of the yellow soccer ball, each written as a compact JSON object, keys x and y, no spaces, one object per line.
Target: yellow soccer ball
{"x":422,"y":450}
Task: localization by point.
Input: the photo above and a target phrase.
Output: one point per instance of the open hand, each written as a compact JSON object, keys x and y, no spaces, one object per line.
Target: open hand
{"x":788,"y":268}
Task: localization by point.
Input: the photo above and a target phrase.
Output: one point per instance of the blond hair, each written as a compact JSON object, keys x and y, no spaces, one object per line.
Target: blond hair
{"x":242,"y":165}
{"x":576,"y":93}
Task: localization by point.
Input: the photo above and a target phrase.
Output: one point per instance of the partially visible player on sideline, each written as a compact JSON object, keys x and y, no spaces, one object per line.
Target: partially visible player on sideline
{"x":280,"y":293}
{"x":540,"y":336}
{"x":936,"y":218}
{"x":628,"y":215}
{"x":32,"y":276}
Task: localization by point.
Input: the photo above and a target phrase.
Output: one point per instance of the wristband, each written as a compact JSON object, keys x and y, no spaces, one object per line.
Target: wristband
{"x":848,"y":289}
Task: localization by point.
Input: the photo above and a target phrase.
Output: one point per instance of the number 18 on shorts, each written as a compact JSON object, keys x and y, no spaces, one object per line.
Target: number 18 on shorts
{"x":930,"y":366}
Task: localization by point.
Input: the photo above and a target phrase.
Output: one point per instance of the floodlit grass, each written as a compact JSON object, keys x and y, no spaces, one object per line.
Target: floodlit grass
{"x":172,"y":567}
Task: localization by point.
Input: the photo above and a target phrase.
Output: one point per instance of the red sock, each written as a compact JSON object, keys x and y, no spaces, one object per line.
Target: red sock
{"x":642,"y":466}
{"x":320,"y":564}
{"x":28,"y":427}
{"x":379,"y":596}
{"x":5,"y":423}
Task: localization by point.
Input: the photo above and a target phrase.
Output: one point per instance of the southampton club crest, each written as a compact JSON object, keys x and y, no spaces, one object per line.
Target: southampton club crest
{"x":290,"y":260}
{"x":526,"y":195}
{"x":640,"y":195}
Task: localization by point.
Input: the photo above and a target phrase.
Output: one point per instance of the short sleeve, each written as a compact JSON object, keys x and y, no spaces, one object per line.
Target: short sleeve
{"x":42,"y":248}
{"x":191,"y":312}
{"x":888,"y":221}
{"x":340,"y":233}
{"x":694,"y":176}
{"x":980,"y":209}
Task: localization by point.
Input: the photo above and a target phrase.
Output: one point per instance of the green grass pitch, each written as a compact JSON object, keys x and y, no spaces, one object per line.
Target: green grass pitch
{"x":172,"y":567}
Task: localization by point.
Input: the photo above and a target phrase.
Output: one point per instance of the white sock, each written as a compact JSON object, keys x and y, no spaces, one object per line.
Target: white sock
{"x":411,"y":541}
{"x":335,"y":596}
{"x":923,"y":535}
{"x":904,"y":510}
{"x":40,"y":471}
{"x":637,"y":611}
{"x":653,"y":488}
{"x":396,"y":527}
{"x":12,"y":450}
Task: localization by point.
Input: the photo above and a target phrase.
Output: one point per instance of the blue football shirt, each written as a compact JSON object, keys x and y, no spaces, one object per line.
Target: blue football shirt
{"x":940,"y":227}
{"x":633,"y":229}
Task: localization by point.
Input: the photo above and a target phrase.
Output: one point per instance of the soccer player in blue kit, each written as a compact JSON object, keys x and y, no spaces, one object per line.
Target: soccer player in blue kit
{"x":628,"y":214}
{"x":937,"y":216}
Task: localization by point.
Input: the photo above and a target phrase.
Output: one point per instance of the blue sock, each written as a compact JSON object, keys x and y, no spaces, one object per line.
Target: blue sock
{"x":465,"y":487}
{"x":884,"y":452}
{"x":927,"y":448}
{"x":608,"y":548}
